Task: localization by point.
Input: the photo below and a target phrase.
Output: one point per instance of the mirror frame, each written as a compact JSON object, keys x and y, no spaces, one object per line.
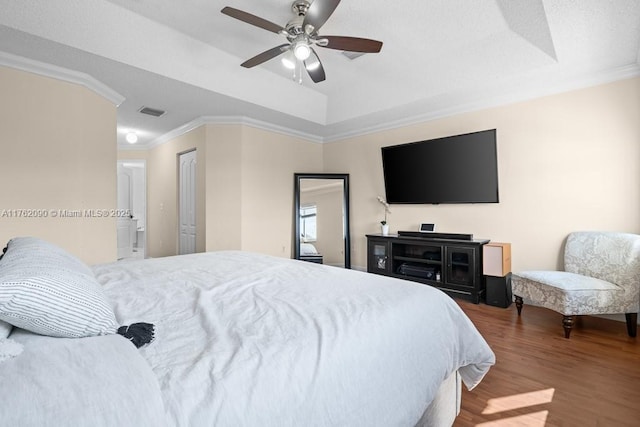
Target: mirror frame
{"x":298,"y":177}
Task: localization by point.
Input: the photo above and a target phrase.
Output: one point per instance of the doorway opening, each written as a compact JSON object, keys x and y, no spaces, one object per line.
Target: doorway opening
{"x":132,"y":198}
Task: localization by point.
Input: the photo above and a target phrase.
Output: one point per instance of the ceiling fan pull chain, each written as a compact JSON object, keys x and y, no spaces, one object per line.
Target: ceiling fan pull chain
{"x":297,"y":71}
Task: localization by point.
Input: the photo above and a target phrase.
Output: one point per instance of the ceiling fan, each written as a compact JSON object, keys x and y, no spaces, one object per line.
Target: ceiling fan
{"x":302,"y":33}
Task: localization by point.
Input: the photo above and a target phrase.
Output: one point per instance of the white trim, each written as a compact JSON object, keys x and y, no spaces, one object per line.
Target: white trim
{"x":259,"y":124}
{"x":83,"y":79}
{"x":221,"y":120}
{"x":60,"y":73}
{"x":172,"y":134}
{"x":609,"y":76}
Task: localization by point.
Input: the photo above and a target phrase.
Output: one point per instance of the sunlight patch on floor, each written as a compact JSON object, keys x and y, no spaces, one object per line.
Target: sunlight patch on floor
{"x":517,"y":401}
{"x":534,"y":419}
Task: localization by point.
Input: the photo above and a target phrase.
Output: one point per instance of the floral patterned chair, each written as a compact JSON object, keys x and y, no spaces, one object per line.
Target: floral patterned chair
{"x":601,"y":276}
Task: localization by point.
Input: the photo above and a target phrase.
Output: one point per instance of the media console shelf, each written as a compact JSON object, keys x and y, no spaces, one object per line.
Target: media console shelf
{"x":451,"y":265}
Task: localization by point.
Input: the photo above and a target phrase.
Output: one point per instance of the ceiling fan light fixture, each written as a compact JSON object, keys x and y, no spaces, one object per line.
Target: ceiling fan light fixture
{"x":301,"y":50}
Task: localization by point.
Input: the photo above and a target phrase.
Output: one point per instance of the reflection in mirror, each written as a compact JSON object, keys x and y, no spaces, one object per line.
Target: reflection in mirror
{"x":322,"y":219}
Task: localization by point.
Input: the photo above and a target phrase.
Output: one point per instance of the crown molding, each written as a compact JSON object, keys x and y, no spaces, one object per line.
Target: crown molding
{"x":259,"y":124}
{"x":172,"y":134}
{"x":60,"y":73}
{"x":222,"y":120}
{"x":566,"y":85}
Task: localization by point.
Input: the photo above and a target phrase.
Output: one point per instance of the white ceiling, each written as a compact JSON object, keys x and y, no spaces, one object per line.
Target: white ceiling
{"x":439,"y":57}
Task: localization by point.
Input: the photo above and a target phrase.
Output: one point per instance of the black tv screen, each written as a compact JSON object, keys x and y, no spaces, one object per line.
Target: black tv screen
{"x":454,"y":169}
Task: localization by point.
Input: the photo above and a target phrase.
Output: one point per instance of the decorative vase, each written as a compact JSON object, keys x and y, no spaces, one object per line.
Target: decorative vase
{"x":385,"y":229}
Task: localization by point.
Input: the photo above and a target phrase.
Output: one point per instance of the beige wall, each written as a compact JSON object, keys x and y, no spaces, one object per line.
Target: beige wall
{"x":269,"y":161}
{"x":244,"y":189}
{"x":223,"y":190}
{"x":566,"y":162}
{"x":58,"y":152}
{"x":133,"y":154}
{"x":162,"y":193}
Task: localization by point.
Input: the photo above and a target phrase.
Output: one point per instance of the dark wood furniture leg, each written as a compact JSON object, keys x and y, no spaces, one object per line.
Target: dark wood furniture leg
{"x":567,"y":322}
{"x":632,"y":323}
{"x":518,"y":304}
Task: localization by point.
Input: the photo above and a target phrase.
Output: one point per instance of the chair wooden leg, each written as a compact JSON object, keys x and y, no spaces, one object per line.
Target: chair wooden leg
{"x":567,"y":322}
{"x":519,"y":304}
{"x":632,"y":323}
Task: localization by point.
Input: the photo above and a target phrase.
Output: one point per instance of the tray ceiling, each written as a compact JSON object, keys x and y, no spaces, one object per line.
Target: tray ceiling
{"x":439,"y":57}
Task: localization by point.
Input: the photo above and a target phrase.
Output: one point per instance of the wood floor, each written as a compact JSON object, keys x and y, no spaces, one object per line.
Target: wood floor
{"x":542,"y":379}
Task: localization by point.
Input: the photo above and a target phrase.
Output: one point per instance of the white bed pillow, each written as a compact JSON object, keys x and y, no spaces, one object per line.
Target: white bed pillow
{"x":96,"y":381}
{"x":46,"y":290}
{"x":308,"y":249}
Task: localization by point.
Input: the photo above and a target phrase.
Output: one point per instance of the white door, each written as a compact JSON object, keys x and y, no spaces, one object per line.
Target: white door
{"x":123,"y":224}
{"x":187,"y":203}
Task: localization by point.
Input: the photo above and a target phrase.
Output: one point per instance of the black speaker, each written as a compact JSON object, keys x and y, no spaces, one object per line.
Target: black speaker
{"x":498,"y":291}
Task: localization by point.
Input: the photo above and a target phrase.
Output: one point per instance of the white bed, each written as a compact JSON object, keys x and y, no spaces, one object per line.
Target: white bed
{"x":250,"y":340}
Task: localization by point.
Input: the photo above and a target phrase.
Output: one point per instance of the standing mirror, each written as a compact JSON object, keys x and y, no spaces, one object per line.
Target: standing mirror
{"x":321,"y":216}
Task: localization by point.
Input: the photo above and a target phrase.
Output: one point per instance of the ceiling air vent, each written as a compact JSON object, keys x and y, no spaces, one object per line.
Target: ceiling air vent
{"x":152,"y":111}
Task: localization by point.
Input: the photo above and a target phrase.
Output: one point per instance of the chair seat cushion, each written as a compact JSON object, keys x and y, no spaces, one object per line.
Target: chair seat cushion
{"x":569,"y":293}
{"x":568,"y":281}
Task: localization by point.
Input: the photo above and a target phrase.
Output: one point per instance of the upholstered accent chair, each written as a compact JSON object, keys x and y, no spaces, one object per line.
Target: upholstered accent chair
{"x":601,"y":276}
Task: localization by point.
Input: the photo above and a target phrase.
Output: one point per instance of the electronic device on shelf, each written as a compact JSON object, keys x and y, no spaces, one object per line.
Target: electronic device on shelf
{"x":423,"y":272}
{"x":427,"y":228}
{"x":434,"y":235}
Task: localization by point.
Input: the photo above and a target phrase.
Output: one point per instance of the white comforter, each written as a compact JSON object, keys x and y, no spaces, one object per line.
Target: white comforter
{"x":250,"y":340}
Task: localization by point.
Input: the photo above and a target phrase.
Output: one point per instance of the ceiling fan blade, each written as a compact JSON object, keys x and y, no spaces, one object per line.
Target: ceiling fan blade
{"x":265,"y":56}
{"x":318,"y":13}
{"x":352,"y":44}
{"x":252,"y":19}
{"x":314,"y":67}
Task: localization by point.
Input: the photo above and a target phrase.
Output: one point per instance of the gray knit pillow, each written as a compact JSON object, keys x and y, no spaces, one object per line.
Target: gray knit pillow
{"x":46,"y":290}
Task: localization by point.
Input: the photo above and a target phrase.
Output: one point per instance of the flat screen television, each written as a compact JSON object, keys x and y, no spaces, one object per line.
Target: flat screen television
{"x":454,"y":169}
